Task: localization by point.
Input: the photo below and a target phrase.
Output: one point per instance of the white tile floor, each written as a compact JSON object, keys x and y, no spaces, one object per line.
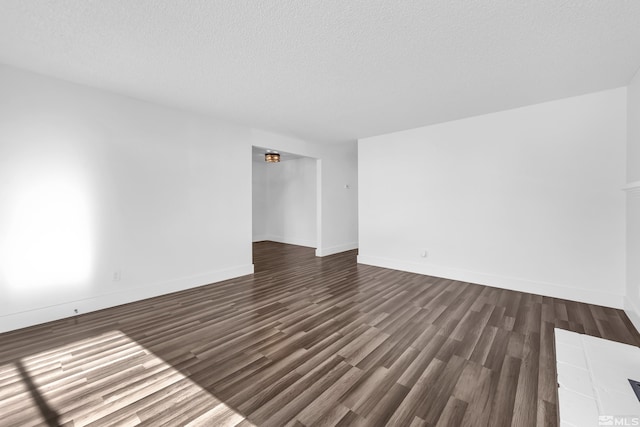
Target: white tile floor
{"x":593,"y":381}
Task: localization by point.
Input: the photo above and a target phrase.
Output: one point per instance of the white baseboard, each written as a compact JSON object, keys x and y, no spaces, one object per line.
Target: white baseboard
{"x":516,"y":284}
{"x":336,"y":249}
{"x":632,"y":312}
{"x":291,"y":241}
{"x":37,"y":316}
{"x":260,"y":238}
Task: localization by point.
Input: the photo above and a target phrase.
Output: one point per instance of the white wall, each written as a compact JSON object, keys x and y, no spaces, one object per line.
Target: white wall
{"x":632,"y":303}
{"x":526,"y":199}
{"x":93,"y":183}
{"x":291,"y":202}
{"x":260,"y":208}
{"x":337,"y":168}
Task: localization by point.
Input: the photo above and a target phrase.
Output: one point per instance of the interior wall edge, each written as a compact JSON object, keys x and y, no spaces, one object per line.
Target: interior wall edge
{"x":554,"y":290}
{"x":14,"y":321}
{"x":632,"y":312}
{"x":632,"y":300}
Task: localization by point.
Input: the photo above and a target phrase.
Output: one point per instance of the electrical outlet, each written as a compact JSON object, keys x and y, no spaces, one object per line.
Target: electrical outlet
{"x":117,"y":276}
{"x":75,"y":310}
{"x":423,"y":253}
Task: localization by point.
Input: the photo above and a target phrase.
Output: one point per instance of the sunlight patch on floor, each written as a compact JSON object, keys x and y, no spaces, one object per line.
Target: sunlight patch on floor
{"x":110,"y":379}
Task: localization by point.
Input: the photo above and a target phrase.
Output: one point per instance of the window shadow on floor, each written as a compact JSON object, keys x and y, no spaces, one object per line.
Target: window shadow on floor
{"x":51,"y":417}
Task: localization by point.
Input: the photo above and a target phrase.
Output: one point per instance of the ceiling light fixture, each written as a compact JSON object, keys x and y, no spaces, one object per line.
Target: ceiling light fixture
{"x":272,"y":157}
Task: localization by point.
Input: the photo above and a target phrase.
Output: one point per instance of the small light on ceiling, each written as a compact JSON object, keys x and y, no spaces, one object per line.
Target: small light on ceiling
{"x":272,"y":157}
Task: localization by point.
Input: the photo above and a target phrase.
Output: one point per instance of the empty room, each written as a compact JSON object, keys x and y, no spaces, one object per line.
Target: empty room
{"x":320,"y":213}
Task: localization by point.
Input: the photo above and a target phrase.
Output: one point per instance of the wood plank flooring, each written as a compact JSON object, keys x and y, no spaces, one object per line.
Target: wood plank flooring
{"x":305,"y":341}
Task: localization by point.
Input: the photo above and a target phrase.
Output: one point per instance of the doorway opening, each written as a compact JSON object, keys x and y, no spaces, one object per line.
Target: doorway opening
{"x":285,"y":198}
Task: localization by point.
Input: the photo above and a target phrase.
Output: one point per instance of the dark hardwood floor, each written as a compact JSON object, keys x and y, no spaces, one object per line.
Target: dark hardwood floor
{"x":303,"y":341}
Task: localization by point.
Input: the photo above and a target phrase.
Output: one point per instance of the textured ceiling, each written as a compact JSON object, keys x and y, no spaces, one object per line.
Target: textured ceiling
{"x":329,"y":70}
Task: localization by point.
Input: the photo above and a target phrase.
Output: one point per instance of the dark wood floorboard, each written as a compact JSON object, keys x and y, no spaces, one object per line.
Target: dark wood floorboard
{"x":304,"y":341}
